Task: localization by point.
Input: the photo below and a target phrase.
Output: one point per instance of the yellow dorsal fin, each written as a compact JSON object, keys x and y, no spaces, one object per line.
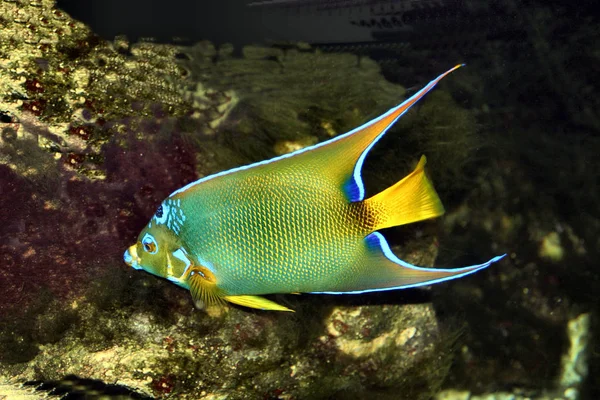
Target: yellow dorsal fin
{"x":411,"y":199}
{"x":256,"y":302}
{"x":341,"y":158}
{"x":338,"y":162}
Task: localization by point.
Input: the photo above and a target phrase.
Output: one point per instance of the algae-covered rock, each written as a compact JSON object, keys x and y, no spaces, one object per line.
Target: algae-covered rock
{"x":322,"y":351}
{"x":85,"y":89}
{"x":297,"y":95}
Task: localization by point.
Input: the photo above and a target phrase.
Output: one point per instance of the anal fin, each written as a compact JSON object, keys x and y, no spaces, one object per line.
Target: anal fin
{"x":378,"y":269}
{"x":256,"y":302}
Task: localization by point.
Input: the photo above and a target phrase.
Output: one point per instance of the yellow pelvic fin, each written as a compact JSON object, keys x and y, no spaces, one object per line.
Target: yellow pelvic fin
{"x":203,"y":287}
{"x":206,"y":293}
{"x":256,"y":302}
{"x":410,"y":200}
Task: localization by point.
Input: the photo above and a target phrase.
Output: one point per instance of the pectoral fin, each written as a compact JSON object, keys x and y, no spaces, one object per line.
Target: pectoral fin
{"x":202,"y":284}
{"x":256,"y":302}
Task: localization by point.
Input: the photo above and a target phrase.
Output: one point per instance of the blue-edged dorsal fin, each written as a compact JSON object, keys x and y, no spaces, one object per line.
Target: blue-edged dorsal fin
{"x":355,"y":145}
{"x":339,"y":160}
{"x":378,"y":269}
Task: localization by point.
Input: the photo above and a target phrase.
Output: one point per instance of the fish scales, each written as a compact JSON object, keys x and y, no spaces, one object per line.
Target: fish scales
{"x":239,"y":213}
{"x":297,"y":223}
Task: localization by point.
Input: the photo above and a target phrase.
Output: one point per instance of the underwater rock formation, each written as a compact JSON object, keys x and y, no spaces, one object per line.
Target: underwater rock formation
{"x":340,"y":350}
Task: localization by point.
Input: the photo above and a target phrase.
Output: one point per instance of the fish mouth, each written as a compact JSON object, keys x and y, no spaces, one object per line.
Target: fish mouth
{"x":131,"y":258}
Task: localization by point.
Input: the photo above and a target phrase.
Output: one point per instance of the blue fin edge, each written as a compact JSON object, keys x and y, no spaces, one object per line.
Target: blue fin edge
{"x":376,"y":239}
{"x":354,"y":189}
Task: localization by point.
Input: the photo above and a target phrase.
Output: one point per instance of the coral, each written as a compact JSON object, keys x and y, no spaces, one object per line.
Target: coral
{"x":246,"y":355}
{"x":528,"y":301}
{"x":84,"y":88}
{"x":550,"y":248}
{"x":65,"y":225}
{"x":447,"y":134}
{"x":91,"y":137}
{"x":574,"y":362}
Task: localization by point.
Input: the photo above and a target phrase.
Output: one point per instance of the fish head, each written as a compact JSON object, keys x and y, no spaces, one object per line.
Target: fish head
{"x":159,"y":248}
{"x":152,"y":250}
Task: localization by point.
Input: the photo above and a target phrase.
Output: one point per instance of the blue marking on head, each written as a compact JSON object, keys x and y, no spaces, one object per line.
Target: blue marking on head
{"x":162,"y":214}
{"x":128,"y":258}
{"x":171,"y":215}
{"x":376,"y":240}
{"x":207,"y":264}
{"x":181,"y":254}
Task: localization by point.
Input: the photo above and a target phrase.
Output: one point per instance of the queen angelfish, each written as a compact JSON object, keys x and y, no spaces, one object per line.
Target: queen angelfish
{"x":297,"y":223}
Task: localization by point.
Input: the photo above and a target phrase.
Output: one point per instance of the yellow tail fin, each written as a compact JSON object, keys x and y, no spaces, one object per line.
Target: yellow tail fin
{"x":410,"y":200}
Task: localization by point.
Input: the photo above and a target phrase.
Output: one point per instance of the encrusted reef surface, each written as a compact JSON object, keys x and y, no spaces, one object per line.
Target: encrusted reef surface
{"x":382,"y":349}
{"x":94,"y":134}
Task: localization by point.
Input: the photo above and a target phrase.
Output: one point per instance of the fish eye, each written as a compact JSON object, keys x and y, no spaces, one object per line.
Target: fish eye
{"x":149,"y":244}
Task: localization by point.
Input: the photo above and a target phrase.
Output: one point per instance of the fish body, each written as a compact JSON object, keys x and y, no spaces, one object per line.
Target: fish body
{"x":298,"y":223}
